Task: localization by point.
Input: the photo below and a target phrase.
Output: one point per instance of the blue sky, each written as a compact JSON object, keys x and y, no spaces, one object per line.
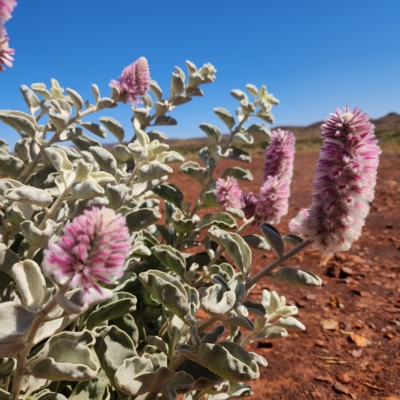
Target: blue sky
{"x":313,"y":56}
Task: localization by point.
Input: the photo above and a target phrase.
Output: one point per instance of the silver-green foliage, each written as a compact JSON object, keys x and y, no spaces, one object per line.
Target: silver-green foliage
{"x":143,"y":336}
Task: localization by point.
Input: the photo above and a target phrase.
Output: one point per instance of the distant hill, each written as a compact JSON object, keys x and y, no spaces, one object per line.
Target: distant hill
{"x":387,"y":127}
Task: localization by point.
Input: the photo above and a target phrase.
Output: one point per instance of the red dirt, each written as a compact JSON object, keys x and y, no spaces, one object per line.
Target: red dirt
{"x":364,"y":298}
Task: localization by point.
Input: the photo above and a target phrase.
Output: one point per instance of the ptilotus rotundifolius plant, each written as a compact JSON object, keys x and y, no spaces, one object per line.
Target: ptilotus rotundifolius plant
{"x":6,"y":8}
{"x":112,"y":283}
{"x":345,"y":181}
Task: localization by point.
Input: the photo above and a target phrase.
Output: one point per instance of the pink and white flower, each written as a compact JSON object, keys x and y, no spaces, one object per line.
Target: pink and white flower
{"x":93,"y":249}
{"x":345,"y":181}
{"x":279,"y":155}
{"x":273,"y":201}
{"x":228,"y":193}
{"x":134,"y":82}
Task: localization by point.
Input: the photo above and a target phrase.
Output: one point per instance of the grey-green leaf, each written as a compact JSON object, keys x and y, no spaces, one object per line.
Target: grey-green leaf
{"x":171,"y":258}
{"x":167,"y":290}
{"x":142,"y":218}
{"x":241,"y":174}
{"x":297,"y":277}
{"x":273,"y":237}
{"x":211,"y":131}
{"x":114,"y":127}
{"x":225,"y":116}
{"x":97,"y":129}
{"x":222,"y":219}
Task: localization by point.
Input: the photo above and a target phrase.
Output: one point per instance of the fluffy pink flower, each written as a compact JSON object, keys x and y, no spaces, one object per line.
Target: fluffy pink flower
{"x":249,"y":204}
{"x":93,"y":248}
{"x":272,"y":203}
{"x":5,"y":53}
{"x":279,"y":155}
{"x":134,"y":81}
{"x":345,"y":181}
{"x":295,"y":223}
{"x":229,"y":193}
{"x":6,"y":8}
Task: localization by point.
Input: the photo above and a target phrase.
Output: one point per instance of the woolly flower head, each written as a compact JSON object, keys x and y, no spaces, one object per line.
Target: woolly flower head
{"x":6,"y":8}
{"x":345,"y":181}
{"x":93,"y":248}
{"x":5,"y":53}
{"x":249,"y":204}
{"x":272,"y":203}
{"x":229,"y":193}
{"x":134,"y":81}
{"x":279,"y":155}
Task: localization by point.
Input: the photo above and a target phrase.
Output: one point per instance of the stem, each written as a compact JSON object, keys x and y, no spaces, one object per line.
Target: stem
{"x":267,"y":270}
{"x":6,"y":383}
{"x":29,"y":338}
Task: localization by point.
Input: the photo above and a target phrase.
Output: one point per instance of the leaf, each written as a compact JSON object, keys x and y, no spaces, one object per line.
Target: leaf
{"x":86,"y":190}
{"x":64,"y":359}
{"x":217,"y":301}
{"x":114,"y":127}
{"x":76,"y":98}
{"x":225,"y":116}
{"x":211,"y":131}
{"x":97,"y":129}
{"x":256,"y":242}
{"x":142,"y":218}
{"x":61,"y":162}
{"x":242,"y":322}
{"x":228,"y":360}
{"x":30,"y":283}
{"x":113,"y":346}
{"x":241,"y":139}
{"x":153,"y":170}
{"x":119,"y":305}
{"x":241,"y":174}
{"x":156,"y":90}
{"x":158,"y":342}
{"x":292,"y":240}
{"x":193,"y":169}
{"x":10,"y":165}
{"x":271,"y":332}
{"x":259,"y":129}
{"x":169,"y":192}
{"x":167,"y":290}
{"x":297,"y":277}
{"x":290,"y":323}
{"x":38,"y":237}
{"x":171,"y":258}
{"x":105,"y":159}
{"x":236,"y":247}
{"x":15,"y":322}
{"x":239,"y":95}
{"x":273,"y":237}
{"x":96,"y":389}
{"x":19,"y":122}
{"x":29,"y":195}
{"x":136,"y":377}
{"x":30,"y":98}
{"x":165,"y":120}
{"x":222,"y":220}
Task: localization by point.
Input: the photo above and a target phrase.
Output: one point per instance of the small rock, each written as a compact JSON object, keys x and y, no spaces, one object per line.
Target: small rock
{"x":339,"y":388}
{"x":344,"y":377}
{"x":324,"y":378}
{"x":320,"y":343}
{"x":345,"y":272}
{"x":355,"y":353}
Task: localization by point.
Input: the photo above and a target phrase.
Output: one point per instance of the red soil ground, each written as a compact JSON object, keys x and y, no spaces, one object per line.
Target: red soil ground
{"x":358,"y":357}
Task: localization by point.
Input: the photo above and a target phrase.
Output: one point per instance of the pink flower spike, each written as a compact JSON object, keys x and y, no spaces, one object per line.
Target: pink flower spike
{"x":279,"y":155}
{"x":5,"y":54}
{"x":6,"y":8}
{"x":249,"y":206}
{"x":345,"y":181}
{"x":229,"y":193}
{"x":93,"y":248}
{"x":134,"y":82}
{"x":273,"y":201}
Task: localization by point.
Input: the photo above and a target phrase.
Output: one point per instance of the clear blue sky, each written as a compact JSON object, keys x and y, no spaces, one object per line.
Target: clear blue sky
{"x":313,"y":55}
